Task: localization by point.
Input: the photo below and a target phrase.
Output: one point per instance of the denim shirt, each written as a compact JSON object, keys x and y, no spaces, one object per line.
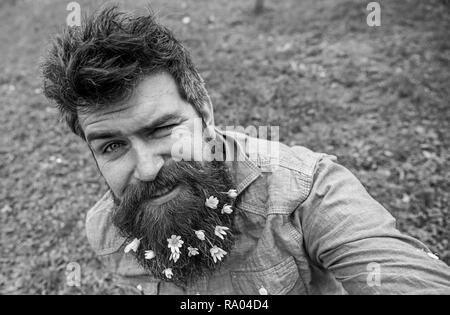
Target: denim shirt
{"x":307,"y":226}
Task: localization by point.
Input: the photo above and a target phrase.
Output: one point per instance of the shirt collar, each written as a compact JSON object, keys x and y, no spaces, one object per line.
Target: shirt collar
{"x":243,"y":170}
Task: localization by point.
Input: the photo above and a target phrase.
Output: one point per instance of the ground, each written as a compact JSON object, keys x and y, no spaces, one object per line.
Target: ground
{"x":376,"y":97}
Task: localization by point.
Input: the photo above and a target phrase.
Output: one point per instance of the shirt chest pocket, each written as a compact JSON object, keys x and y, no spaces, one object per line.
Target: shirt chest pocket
{"x":279,"y":279}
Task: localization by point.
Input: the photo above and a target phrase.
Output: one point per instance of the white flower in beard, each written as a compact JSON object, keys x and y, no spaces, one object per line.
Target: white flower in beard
{"x":133,"y":246}
{"x":175,"y":243}
{"x":227,"y":209}
{"x":217,"y":253}
{"x":232,"y":193}
{"x":168,"y":273}
{"x":220,"y":231}
{"x":192,"y":251}
{"x":200,"y":235}
{"x":212,"y":202}
{"x":149,"y":254}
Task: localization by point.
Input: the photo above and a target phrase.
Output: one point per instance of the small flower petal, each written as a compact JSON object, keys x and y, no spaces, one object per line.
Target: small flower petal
{"x":217,"y":253}
{"x":212,"y":202}
{"x":149,"y":254}
{"x":227,"y":209}
{"x":192,"y":251}
{"x":220,"y":231}
{"x":232,"y":193}
{"x":168,"y":273}
{"x":133,"y":246}
{"x":200,"y":235}
{"x":174,"y":256}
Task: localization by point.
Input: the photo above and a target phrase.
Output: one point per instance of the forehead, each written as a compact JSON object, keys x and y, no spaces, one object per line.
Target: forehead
{"x":153,"y":97}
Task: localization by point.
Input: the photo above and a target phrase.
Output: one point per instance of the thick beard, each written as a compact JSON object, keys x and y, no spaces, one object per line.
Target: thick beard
{"x":136,"y":217}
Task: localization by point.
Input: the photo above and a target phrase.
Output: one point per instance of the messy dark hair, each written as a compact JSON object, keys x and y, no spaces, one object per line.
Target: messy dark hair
{"x":100,"y":62}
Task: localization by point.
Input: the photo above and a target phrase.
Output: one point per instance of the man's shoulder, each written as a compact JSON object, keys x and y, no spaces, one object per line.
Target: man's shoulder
{"x":275,"y":156}
{"x":287,"y":175}
{"x":267,"y":154}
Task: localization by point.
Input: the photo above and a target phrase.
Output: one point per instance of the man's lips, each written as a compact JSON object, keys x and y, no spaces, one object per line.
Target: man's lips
{"x":165,"y":195}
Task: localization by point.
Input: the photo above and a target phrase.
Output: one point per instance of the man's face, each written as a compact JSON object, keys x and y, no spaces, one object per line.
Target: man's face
{"x":132,"y":141}
{"x":156,"y":198}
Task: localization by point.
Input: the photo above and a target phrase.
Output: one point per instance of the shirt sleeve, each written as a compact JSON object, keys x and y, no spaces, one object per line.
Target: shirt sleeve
{"x":350,"y":234}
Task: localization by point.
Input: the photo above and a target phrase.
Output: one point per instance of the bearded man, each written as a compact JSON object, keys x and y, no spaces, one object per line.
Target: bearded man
{"x":222,"y":220}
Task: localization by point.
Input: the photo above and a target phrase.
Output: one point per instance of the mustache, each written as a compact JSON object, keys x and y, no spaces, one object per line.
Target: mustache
{"x":169,"y":176}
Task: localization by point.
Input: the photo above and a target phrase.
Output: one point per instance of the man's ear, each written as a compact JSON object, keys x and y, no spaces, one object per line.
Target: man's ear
{"x":207,"y":112}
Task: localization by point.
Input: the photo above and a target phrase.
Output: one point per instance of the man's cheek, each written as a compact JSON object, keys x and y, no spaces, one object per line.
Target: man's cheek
{"x":116,"y":176}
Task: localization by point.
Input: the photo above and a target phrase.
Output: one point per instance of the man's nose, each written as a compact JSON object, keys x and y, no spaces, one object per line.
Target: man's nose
{"x":148,"y":164}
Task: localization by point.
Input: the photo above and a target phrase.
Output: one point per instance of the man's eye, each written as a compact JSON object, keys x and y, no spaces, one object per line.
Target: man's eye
{"x":112,"y":147}
{"x":167,"y":127}
{"x":164,"y":129}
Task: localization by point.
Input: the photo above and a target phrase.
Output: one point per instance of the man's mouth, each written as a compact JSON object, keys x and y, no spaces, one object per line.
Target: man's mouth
{"x":164,"y":195}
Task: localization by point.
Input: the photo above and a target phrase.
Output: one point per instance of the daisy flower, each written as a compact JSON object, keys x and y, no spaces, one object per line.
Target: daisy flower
{"x":149,"y":254}
{"x":175,"y":243}
{"x":168,"y":273}
{"x":133,"y":246}
{"x":217,"y":253}
{"x":227,"y":209}
{"x":200,"y":235}
{"x":232,"y":193}
{"x":212,"y":202}
{"x":192,"y":251}
{"x":220,"y":231}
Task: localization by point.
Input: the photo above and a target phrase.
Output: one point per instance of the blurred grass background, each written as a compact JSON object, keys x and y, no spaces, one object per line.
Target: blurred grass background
{"x":378,"y":98}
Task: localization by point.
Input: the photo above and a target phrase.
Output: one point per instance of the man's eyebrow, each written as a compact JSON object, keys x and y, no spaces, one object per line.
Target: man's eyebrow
{"x":99,"y":135}
{"x":157,"y":122}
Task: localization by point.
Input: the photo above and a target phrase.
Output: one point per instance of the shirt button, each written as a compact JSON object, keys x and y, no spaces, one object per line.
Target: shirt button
{"x":139,"y":287}
{"x":263,"y":291}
